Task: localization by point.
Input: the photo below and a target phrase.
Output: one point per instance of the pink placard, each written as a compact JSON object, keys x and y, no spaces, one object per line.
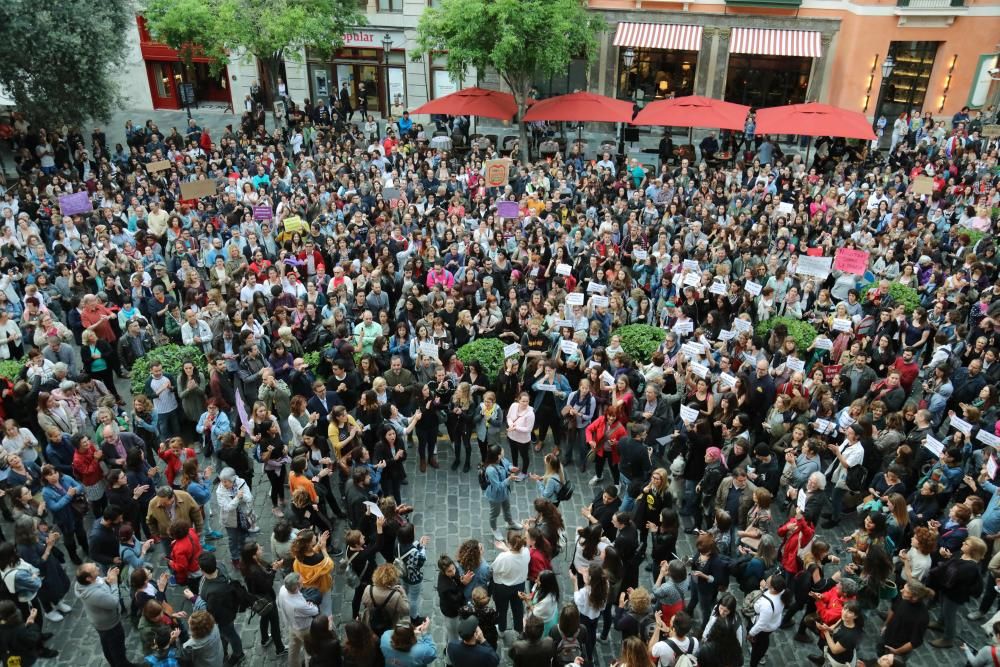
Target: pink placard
{"x":850,"y":260}
{"x":507,"y":209}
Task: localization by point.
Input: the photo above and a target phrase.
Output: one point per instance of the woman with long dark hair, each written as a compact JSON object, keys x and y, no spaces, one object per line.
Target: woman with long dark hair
{"x":591,"y":600}
{"x":722,"y":636}
{"x":258,"y":575}
{"x":321,"y":643}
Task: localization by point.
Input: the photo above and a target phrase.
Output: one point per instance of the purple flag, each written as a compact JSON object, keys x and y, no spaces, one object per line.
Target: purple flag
{"x":262,"y":213}
{"x":242,"y":410}
{"x":72,"y":204}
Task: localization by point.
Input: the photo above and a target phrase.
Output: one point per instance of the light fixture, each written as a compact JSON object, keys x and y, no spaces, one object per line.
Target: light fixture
{"x":663,"y":85}
{"x":628,"y":57}
{"x":387,"y":43}
{"x":685,"y":66}
{"x":888,"y":65}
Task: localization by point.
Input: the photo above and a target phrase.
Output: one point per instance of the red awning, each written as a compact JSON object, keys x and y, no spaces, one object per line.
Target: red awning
{"x":659,"y":36}
{"x":764,"y":42}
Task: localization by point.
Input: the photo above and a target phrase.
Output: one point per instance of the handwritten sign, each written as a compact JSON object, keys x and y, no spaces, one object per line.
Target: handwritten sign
{"x":569,"y":347}
{"x":825,"y":426}
{"x":727,"y":380}
{"x":934,"y":446}
{"x":262,"y":213}
{"x":845,"y":420}
{"x":692,"y":279}
{"x":563,"y":269}
{"x":814,"y":266}
{"x":822,"y":343}
{"x":429,"y":349}
{"x":544,"y":386}
{"x":923,"y":185}
{"x":796,"y":365}
{"x":76,"y":203}
{"x":961,"y":425}
{"x":701,"y":370}
{"x":718,"y":287}
{"x":640,"y":255}
{"x":683,"y":327}
{"x":496,"y":173}
{"x":599,"y":301}
{"x":607,"y":378}
{"x":197,"y":189}
{"x":691,"y":265}
{"x":595,"y":287}
{"x":844,"y":324}
{"x":784,"y":208}
{"x":560,"y":324}
{"x":693,"y":350}
{"x":988,"y":439}
{"x":158,"y":165}
{"x":574,"y":299}
{"x":726,"y":334}
{"x":742,"y":325}
{"x":850,"y":260}
{"x":511,"y":350}
{"x":689,"y":415}
{"x":753,"y":288}
{"x":507,"y":209}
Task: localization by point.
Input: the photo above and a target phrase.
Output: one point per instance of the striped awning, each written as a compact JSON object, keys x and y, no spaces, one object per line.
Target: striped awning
{"x":659,"y":36}
{"x":764,"y":42}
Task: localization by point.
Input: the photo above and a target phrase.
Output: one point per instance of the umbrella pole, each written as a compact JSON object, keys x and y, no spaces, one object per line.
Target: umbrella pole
{"x":809,"y":145}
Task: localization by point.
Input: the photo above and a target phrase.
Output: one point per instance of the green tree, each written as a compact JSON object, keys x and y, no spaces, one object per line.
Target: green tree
{"x":520,"y":39}
{"x":269,"y":30}
{"x":58,"y":58}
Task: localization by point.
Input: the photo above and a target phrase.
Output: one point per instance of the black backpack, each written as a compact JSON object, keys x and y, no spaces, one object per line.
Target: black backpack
{"x":378,"y":614}
{"x":856,"y":476}
{"x":483,"y":482}
{"x":565,"y":492}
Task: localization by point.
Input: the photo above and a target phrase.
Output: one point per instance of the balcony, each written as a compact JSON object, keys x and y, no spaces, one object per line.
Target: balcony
{"x":929,"y":13}
{"x":789,"y":4}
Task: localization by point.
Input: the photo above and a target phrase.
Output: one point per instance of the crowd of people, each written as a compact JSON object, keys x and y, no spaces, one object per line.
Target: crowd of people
{"x":323,"y":293}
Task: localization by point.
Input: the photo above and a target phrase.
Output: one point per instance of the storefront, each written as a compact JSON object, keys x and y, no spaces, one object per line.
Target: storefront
{"x":362,"y":66}
{"x":907,"y":87}
{"x":664,"y":59}
{"x":167,"y":75}
{"x":770,"y":68}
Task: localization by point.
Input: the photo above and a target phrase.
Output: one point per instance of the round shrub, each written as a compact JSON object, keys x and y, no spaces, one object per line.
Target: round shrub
{"x":640,"y":341}
{"x":901,"y":294}
{"x":487,"y":351}
{"x":172,"y":357}
{"x":802,"y":332}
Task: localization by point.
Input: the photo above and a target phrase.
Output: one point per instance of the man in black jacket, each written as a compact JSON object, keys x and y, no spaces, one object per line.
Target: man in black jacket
{"x":103,"y":538}
{"x":907,"y":622}
{"x":222,"y":601}
{"x":633,"y":464}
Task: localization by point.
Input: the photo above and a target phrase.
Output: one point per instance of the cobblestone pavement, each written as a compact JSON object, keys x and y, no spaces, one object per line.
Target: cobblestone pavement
{"x":449,"y":508}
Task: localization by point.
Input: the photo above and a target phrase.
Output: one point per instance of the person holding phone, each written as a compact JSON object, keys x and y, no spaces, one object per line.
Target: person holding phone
{"x":101,"y":604}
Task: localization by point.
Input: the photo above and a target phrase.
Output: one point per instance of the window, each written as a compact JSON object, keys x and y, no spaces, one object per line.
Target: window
{"x":575,"y":78}
{"x":442,"y":82}
{"x":390,"y":5}
{"x":657,"y":73}
{"x":767,"y":81}
{"x":907,"y":86}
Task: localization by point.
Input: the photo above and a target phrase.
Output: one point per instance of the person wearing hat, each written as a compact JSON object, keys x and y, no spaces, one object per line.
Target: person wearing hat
{"x":471,"y":649}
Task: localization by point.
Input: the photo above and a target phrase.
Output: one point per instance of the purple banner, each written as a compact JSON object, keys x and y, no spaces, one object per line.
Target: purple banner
{"x":262,"y":213}
{"x":73,"y":204}
{"x":507,"y":209}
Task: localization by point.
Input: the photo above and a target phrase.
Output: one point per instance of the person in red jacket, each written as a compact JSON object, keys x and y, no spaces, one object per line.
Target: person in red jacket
{"x":829,"y":606}
{"x":796,"y":533}
{"x":602,"y":436}
{"x":174,"y":454}
{"x":87,"y":469}
{"x":184,"y":552}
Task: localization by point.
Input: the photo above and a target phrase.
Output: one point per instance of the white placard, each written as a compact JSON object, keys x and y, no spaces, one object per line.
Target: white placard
{"x":845,"y":420}
{"x":693,"y":349}
{"x":574,"y":299}
{"x":988,"y":439}
{"x":595,"y":287}
{"x":742,"y":325}
{"x":593,"y":364}
{"x":691,"y":265}
{"x":569,"y":346}
{"x":991,"y":467}
{"x":934,"y":446}
{"x":373,"y":509}
{"x":726,"y":334}
{"x":701,"y":370}
{"x":608,"y":378}
{"x":718,"y":287}
{"x":961,"y":425}
{"x":749,"y":358}
{"x":543,"y":386}
{"x":825,"y":426}
{"x":753,"y":288}
{"x":429,"y":349}
{"x":564,"y":323}
{"x":511,"y":350}
{"x":727,"y":380}
{"x":563,"y":269}
{"x":683,"y":327}
{"x":814,"y":266}
{"x":843,"y":324}
{"x":692,"y":279}
{"x":599,"y":301}
{"x":784,"y":208}
{"x":640,"y":255}
{"x":689,"y":415}
{"x":822,"y":343}
{"x":796,"y":365}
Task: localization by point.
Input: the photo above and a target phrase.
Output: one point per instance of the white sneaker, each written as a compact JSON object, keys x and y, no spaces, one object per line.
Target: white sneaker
{"x":595,"y":480}
{"x":64,"y":608}
{"x":498,"y":535}
{"x":53,"y":616}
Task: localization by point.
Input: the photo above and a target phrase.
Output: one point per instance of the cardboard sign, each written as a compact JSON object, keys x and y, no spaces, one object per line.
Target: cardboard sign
{"x":689,"y":415}
{"x":796,"y":365}
{"x":718,"y":287}
{"x":508,"y":209}
{"x":843,"y":324}
{"x":497,"y":171}
{"x":850,"y":260}
{"x":727,"y":380}
{"x":511,"y":350}
{"x":599,"y":301}
{"x":197,"y":189}
{"x":818,"y":267}
{"x":262,"y":213}
{"x":753,"y":288}
{"x":742,"y":325}
{"x":988,"y":439}
{"x":158,"y":165}
{"x":923,"y":185}
{"x":960,"y":424}
{"x":934,"y":446}
{"x":822,"y":343}
{"x":569,"y":347}
{"x":76,"y":203}
{"x":574,"y":299}
{"x":691,"y":265}
{"x":683,"y":327}
{"x":563,"y":269}
{"x":640,"y":255}
{"x":990,"y":131}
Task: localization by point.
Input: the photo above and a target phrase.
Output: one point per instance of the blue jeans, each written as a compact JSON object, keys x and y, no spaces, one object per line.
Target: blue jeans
{"x":236,"y":539}
{"x":413,"y":595}
{"x":231,"y":639}
{"x":169,"y":424}
{"x":628,"y":502}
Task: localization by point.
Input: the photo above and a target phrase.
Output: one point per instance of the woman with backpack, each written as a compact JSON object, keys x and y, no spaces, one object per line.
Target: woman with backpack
{"x":384,"y":602}
{"x":552,"y":482}
{"x":570,"y":636}
{"x":258,"y":575}
{"x":768,"y":609}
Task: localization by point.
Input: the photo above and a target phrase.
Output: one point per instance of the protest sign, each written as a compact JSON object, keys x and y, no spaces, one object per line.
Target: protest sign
{"x":683,"y":327}
{"x":850,"y":260}
{"x":726,"y":334}
{"x":595,"y":287}
{"x":564,"y":323}
{"x":727,"y":380}
{"x":608,"y":379}
{"x":690,"y":265}
{"x":197,"y":189}
{"x":718,"y":287}
{"x":923,"y":185}
{"x":693,"y":350}
{"x":988,"y":439}
{"x":784,"y":208}
{"x":599,"y":301}
{"x":507,"y":209}
{"x":511,"y":350}
{"x":990,"y":131}
{"x":818,"y":267}
{"x":497,"y":172}
{"x":991,"y":467}
{"x":76,"y":203}
{"x":753,"y":288}
{"x":742,"y":325}
{"x":795,"y":365}
{"x":961,"y":425}
{"x":701,"y":370}
{"x":822,"y":343}
{"x":934,"y":446}
{"x":563,"y":269}
{"x":262,"y":213}
{"x":569,"y":347}
{"x":640,"y":255}
{"x":843,"y":324}
{"x":574,"y":299}
{"x":689,"y":415}
{"x":429,"y":350}
{"x":692,"y":279}
{"x":158,"y":165}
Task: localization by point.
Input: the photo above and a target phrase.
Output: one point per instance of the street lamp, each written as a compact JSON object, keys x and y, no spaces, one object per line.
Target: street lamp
{"x":386,"y":47}
{"x":888,"y":65}
{"x":628,"y":57}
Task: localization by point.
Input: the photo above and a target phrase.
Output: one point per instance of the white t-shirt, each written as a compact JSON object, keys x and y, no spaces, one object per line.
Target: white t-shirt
{"x":582,"y":600}
{"x":665,"y":656}
{"x":510,"y":568}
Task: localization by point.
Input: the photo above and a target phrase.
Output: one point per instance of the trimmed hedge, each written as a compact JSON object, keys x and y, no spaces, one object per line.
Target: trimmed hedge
{"x":487,"y":351}
{"x":640,"y":341}
{"x":802,"y":332}
{"x":172,"y":357}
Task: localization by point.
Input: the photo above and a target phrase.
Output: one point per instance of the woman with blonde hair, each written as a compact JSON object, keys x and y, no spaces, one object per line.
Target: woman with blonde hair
{"x":463,"y":421}
{"x":552,"y":481}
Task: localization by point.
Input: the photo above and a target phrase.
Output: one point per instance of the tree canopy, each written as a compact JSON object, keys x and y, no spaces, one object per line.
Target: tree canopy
{"x":520,"y":39}
{"x":58,"y":59}
{"x":270,"y":30}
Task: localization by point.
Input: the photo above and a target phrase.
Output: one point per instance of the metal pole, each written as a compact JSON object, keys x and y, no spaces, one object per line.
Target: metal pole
{"x":878,"y":103}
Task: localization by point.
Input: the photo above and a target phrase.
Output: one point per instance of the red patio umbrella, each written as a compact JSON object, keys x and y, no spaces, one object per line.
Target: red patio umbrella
{"x":580,"y":107}
{"x":694,"y":111}
{"x":472,"y":102}
{"x":814,"y":120}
